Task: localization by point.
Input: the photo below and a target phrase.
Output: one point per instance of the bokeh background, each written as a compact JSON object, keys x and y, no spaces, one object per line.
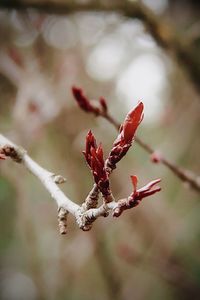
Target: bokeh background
{"x":150,"y":252}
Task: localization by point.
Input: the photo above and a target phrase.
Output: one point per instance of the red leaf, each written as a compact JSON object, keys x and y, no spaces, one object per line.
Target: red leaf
{"x":134,"y":199}
{"x":149,"y":186}
{"x":134,"y":182}
{"x":148,"y":190}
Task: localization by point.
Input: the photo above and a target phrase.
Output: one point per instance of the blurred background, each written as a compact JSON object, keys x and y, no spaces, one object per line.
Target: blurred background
{"x":150,"y":252}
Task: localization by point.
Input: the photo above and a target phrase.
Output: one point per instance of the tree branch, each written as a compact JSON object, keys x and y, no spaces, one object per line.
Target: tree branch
{"x":164,"y":34}
{"x":184,"y":175}
{"x":48,"y":179}
{"x":84,"y":215}
{"x":102,"y":110}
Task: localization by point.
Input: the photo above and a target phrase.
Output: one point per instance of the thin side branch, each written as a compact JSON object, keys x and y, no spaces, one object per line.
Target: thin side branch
{"x":102,"y":111}
{"x":184,"y":175}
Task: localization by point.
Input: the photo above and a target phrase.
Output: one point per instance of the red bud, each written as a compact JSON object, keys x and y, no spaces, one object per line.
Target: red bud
{"x":126,"y":135}
{"x":84,"y":102}
{"x":103,"y":104}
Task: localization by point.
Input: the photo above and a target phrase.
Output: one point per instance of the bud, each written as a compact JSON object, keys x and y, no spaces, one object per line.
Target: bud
{"x":84,"y":102}
{"x":103,"y":104}
{"x":126,"y":135}
{"x":95,"y":160}
{"x":156,"y":157}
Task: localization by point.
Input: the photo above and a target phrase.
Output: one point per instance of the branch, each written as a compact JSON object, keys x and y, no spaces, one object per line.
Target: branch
{"x":184,"y":175}
{"x":102,"y":111}
{"x":165,"y":35}
{"x":48,"y":179}
{"x":84,"y":215}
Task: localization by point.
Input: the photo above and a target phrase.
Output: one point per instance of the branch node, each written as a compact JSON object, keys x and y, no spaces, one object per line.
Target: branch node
{"x":85,"y":221}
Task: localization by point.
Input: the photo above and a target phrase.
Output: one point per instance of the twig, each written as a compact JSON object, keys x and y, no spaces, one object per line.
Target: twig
{"x":102,"y":111}
{"x":165,"y":35}
{"x":184,"y":175}
{"x":84,"y":215}
{"x":47,"y":178}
